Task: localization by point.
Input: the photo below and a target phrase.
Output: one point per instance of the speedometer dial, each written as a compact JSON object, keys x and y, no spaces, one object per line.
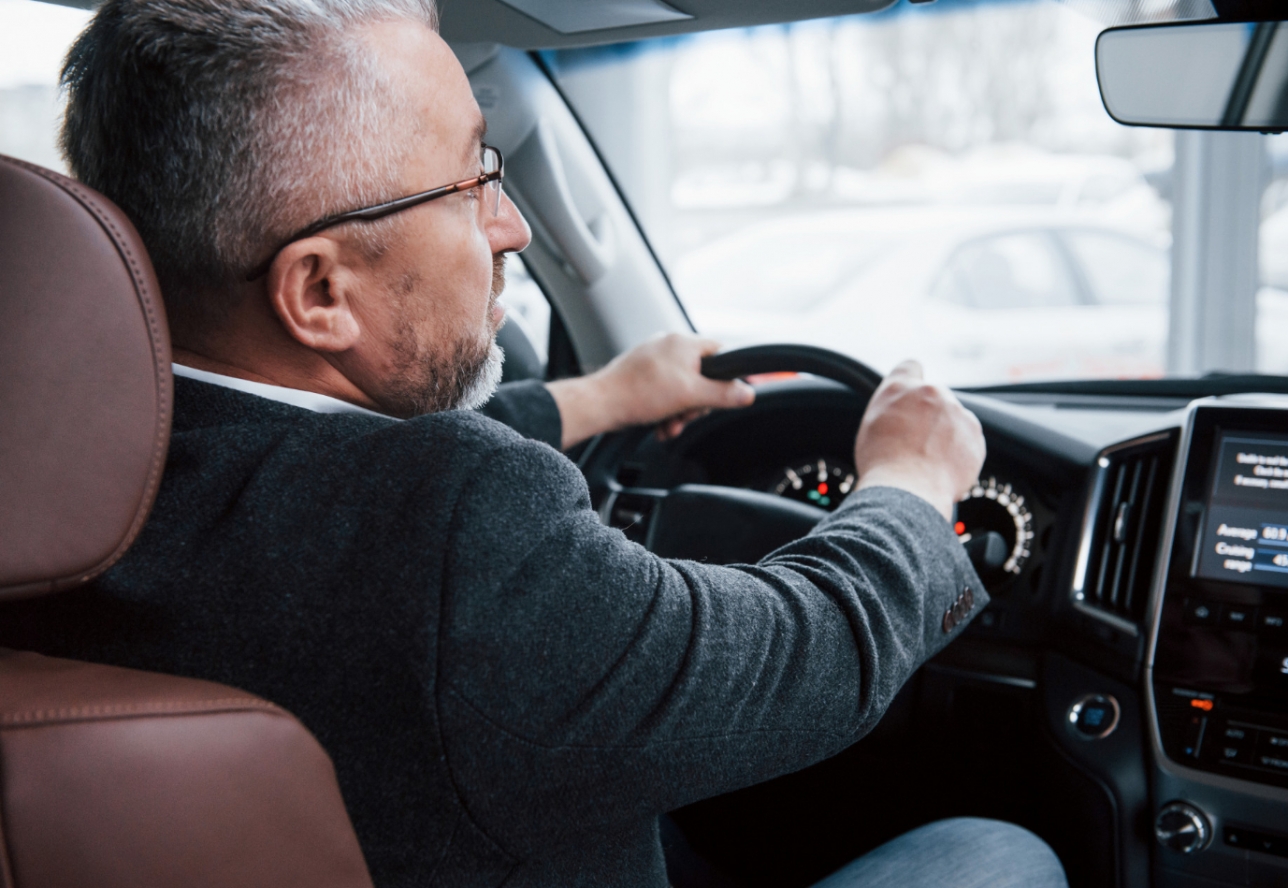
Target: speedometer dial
{"x":994,"y":505}
{"x":817,"y":482}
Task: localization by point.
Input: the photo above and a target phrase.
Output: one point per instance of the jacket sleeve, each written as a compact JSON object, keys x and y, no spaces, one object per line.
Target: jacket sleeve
{"x":577,"y":669}
{"x":528,"y":408}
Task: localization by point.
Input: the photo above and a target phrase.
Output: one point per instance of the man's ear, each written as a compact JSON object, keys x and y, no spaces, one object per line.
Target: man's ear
{"x":309,"y":288}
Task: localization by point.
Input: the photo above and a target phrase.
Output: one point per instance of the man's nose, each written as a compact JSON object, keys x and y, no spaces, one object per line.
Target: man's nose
{"x":509,"y":231}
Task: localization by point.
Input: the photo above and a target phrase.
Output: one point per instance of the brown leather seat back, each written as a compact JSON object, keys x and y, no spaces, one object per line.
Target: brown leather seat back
{"x":85,"y":387}
{"x":113,"y":777}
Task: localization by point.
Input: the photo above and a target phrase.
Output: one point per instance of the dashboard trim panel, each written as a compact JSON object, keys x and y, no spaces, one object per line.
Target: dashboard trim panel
{"x":1154,"y":612}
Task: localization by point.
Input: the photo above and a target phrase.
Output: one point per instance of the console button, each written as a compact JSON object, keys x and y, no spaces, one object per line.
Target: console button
{"x":1234,"y":754}
{"x":1269,"y":845}
{"x":1256,"y":840}
{"x":1238,"y":616}
{"x":1182,"y":827}
{"x":1094,"y":716}
{"x":1273,"y":624}
{"x":1201,"y":613}
{"x":1238,"y":734}
{"x":1272,"y":750}
{"x":1236,"y":744}
{"x":1253,"y":840}
{"x":1237,"y":836}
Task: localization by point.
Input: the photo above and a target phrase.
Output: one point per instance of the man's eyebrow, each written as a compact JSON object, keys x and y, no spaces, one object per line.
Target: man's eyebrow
{"x":476,"y":140}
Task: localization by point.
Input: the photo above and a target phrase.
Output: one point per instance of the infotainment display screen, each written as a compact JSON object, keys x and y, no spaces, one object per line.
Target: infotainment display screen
{"x":1220,"y":682}
{"x":1245,"y":527}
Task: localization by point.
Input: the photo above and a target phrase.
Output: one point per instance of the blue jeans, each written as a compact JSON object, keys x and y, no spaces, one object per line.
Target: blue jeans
{"x":965,"y":852}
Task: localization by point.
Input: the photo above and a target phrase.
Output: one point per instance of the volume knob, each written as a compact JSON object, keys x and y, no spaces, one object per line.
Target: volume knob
{"x":1182,"y":827}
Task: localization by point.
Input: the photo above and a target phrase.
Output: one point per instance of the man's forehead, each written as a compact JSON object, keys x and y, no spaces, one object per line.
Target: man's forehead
{"x":449,"y":117}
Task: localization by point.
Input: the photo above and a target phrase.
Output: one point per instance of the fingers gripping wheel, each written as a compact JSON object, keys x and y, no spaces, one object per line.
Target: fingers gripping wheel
{"x":720,"y":525}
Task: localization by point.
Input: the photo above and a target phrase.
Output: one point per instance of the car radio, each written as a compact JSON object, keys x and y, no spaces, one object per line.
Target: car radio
{"x":1220,"y":664}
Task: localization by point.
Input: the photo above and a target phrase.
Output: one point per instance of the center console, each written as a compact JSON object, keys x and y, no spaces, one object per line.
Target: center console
{"x":1217,"y":668}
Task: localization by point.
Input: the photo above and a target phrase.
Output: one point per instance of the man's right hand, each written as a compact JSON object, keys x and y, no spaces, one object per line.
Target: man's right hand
{"x":919,"y":437}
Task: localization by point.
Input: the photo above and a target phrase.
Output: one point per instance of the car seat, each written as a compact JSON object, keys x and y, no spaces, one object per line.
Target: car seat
{"x":113,"y":777}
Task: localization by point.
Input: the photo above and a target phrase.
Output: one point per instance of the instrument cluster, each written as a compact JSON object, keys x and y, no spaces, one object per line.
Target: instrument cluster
{"x":993,"y":505}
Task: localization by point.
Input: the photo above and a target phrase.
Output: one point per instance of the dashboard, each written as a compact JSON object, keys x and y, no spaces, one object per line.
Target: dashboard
{"x":1139,"y":608}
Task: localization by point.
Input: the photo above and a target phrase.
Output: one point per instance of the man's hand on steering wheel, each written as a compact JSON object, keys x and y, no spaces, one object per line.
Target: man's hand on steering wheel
{"x":920,"y":438}
{"x":657,"y":382}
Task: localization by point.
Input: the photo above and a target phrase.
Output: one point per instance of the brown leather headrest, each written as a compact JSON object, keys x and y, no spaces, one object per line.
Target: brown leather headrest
{"x":85,"y":386}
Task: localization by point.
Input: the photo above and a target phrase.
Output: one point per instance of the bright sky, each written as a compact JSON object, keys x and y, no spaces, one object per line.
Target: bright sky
{"x":34,"y":37}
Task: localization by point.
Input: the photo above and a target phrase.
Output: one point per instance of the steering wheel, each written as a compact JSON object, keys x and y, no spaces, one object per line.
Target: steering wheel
{"x":720,"y":525}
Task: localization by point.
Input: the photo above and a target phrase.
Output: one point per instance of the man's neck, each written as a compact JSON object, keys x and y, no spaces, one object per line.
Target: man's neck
{"x":314,"y":374}
{"x":199,"y":361}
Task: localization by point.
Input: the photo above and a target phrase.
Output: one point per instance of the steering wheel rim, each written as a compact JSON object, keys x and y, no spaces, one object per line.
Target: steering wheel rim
{"x":792,"y":358}
{"x":606,"y":452}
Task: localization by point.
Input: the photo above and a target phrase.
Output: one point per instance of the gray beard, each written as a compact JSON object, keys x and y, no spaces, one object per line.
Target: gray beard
{"x":430,"y":382}
{"x":462,"y":377}
{"x":485,"y":383}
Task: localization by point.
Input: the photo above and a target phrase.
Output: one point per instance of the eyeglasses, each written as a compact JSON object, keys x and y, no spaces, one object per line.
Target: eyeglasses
{"x":489,"y":181}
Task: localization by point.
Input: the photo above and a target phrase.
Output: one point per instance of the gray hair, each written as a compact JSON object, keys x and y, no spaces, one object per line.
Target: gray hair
{"x":222,"y":126}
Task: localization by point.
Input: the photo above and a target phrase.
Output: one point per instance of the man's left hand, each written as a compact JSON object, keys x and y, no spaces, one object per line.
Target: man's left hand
{"x":658,"y":382}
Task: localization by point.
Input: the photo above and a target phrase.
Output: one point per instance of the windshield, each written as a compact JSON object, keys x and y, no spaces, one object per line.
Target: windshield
{"x":940,"y":182}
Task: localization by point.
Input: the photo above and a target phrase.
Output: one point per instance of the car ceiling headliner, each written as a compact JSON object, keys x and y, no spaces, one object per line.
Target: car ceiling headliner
{"x":492,"y":21}
{"x":499,"y":21}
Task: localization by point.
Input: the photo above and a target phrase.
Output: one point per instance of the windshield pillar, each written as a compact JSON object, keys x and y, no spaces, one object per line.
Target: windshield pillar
{"x":1217,"y":181}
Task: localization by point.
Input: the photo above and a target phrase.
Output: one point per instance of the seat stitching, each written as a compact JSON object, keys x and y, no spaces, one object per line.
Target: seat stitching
{"x":6,"y":864}
{"x":127,"y":710}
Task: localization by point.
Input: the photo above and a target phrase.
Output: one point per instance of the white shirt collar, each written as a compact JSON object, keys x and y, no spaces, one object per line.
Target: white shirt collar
{"x":295,"y":397}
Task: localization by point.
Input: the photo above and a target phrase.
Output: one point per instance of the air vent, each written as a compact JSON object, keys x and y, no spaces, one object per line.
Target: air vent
{"x":1121,"y":533}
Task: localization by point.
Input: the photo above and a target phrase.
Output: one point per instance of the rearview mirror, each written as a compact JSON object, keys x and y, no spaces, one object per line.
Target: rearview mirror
{"x":1200,"y":75}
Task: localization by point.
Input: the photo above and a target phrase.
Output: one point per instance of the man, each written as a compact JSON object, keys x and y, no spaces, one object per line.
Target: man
{"x":510,"y":691}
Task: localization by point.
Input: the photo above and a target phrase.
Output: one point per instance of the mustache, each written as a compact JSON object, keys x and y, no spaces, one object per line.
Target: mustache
{"x":498,"y":275}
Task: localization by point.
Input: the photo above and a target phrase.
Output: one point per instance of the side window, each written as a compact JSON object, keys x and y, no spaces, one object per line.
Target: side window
{"x":34,"y":37}
{"x":1008,"y":271}
{"x":1121,"y":270}
{"x":525,"y":336}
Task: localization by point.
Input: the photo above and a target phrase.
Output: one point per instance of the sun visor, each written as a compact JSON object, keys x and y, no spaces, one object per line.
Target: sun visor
{"x":1116,"y":12}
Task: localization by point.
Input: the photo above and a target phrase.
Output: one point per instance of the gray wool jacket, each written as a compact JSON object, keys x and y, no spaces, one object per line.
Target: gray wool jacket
{"x":511,"y":691}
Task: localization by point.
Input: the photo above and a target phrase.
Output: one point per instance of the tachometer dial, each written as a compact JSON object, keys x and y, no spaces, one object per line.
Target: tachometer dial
{"x":818,"y":482}
{"x":995,"y":505}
